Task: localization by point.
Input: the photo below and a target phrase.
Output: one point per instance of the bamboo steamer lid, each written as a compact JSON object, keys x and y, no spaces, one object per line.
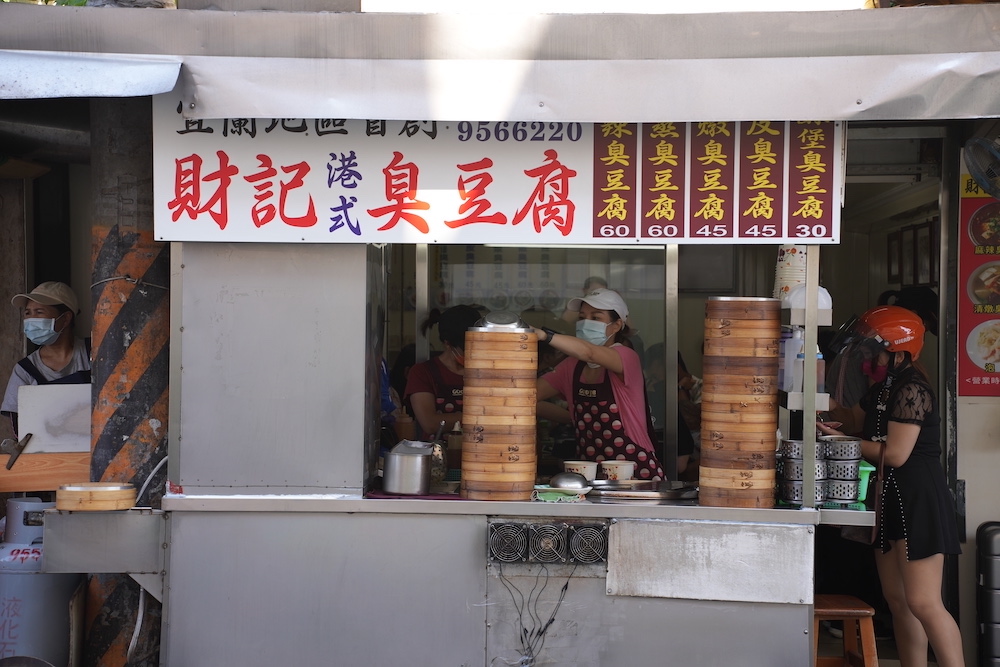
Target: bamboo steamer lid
{"x":95,"y":496}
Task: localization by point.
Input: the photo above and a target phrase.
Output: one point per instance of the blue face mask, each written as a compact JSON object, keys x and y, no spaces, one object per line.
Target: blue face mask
{"x":41,"y":330}
{"x":592,"y":331}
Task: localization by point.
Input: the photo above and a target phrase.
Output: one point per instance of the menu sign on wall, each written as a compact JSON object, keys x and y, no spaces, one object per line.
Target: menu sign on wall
{"x":373,"y":181}
{"x":978,"y":291}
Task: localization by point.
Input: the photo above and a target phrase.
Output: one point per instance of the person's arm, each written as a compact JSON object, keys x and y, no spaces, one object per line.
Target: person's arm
{"x":584,"y":351}
{"x":425,"y":412}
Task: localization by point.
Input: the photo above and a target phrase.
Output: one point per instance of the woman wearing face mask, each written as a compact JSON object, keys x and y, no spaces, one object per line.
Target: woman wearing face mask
{"x":434,"y":388}
{"x":603,"y":384}
{"x":916,"y":523}
{"x":49,"y":313}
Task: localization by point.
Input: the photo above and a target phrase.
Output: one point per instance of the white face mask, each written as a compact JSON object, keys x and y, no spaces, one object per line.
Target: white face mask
{"x":592,"y":331}
{"x":41,"y":330}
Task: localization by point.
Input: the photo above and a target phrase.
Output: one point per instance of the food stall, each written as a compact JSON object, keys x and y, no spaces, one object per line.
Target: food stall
{"x":286,"y":208}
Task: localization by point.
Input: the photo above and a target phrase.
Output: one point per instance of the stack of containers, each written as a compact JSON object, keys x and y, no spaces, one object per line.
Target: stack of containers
{"x":843,"y":454}
{"x":790,"y":269}
{"x":739,"y":408}
{"x":499,"y":459}
{"x":792,"y":472}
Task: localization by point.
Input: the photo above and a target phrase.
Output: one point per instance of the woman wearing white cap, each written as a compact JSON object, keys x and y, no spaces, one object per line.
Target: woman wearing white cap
{"x":603,"y":383}
{"x":49,"y":313}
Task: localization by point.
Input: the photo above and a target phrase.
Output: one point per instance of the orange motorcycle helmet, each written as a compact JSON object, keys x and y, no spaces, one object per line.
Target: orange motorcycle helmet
{"x":896,"y":329}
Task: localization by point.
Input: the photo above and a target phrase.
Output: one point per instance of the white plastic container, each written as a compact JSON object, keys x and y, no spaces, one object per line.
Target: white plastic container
{"x":793,"y":346}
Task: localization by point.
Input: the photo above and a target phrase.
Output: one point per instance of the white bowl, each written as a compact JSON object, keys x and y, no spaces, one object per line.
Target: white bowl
{"x":618,"y":470}
{"x":586,"y":468}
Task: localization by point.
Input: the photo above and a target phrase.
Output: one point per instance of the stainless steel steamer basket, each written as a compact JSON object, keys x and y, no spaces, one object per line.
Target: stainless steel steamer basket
{"x":849,"y":470}
{"x":795,"y":449}
{"x":795,"y":469}
{"x":841,"y":447}
{"x":842,"y":490}
{"x":791,"y":492}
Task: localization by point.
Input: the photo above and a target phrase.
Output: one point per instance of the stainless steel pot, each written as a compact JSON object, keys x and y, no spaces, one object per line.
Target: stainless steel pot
{"x":407,"y":469}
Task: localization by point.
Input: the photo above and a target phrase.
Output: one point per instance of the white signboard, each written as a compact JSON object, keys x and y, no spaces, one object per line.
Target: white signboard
{"x":372,"y":181}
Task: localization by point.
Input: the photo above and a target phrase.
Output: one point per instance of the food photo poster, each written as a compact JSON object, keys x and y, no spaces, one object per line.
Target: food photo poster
{"x":978,"y":291}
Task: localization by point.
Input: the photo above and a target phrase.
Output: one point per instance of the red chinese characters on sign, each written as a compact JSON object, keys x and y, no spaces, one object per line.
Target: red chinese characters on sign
{"x":188,"y":185}
{"x":615,"y":195}
{"x":472,"y":192}
{"x":811,"y":193}
{"x":762,"y":191}
{"x":550,"y":202}
{"x":664,"y":186}
{"x":401,"y":189}
{"x":713,"y":186}
{"x":263,"y":211}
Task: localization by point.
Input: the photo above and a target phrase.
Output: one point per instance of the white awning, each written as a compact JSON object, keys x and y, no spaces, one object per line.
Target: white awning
{"x":921,"y":63}
{"x":44,"y":74}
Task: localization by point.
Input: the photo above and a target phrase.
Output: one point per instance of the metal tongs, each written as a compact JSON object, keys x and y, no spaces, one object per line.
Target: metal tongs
{"x":8,"y":446}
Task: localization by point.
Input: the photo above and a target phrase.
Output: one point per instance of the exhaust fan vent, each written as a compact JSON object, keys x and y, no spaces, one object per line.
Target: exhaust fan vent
{"x":588,"y":544}
{"x":508,"y":542}
{"x":547,"y":543}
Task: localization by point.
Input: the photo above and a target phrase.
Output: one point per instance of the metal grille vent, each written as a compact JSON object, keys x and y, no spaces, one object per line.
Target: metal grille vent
{"x":547,"y":543}
{"x":588,"y":544}
{"x":508,"y":542}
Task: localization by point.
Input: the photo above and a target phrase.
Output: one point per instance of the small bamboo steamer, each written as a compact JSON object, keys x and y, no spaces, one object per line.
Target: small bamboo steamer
{"x":497,"y":456}
{"x":745,"y":498}
{"x":493,"y":392}
{"x":490,"y":377}
{"x":730,"y":478}
{"x":738,"y":460}
{"x":502,"y":364}
{"x":506,"y":338}
{"x":762,"y":330}
{"x":95,"y":496}
{"x":499,"y":405}
{"x":739,"y":417}
{"x":737,"y":442}
{"x":753,"y":384}
{"x":500,"y":420}
{"x":745,"y":347}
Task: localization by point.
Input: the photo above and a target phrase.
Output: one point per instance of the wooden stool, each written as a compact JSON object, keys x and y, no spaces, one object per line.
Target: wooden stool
{"x":855,"y":615}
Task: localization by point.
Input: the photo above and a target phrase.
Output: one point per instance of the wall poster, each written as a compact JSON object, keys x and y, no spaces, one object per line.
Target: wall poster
{"x":978,"y":291}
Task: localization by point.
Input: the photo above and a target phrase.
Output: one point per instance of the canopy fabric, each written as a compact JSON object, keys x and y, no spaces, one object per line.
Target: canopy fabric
{"x":921,"y":63}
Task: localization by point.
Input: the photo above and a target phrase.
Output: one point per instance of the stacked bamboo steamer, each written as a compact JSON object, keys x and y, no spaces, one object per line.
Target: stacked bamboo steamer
{"x":499,"y":458}
{"x":739,"y":409}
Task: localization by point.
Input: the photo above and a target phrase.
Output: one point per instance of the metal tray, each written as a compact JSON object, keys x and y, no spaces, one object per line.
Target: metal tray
{"x":655,"y":493}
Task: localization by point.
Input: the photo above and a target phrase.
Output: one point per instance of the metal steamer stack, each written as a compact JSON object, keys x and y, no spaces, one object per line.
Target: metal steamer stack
{"x":499,"y":460}
{"x":837,"y":470}
{"x":739,"y":410}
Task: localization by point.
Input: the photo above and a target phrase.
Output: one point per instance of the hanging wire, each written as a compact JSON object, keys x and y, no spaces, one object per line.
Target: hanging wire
{"x":130,"y":279}
{"x":533,"y":634}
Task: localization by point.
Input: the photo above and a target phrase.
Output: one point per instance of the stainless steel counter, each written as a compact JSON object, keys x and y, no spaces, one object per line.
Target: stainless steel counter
{"x":345,"y":503}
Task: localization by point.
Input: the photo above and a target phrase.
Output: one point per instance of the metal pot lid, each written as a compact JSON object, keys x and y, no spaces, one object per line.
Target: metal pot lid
{"x":501,"y":320}
{"x":97,"y":486}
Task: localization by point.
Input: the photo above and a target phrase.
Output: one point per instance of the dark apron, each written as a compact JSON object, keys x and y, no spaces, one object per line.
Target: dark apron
{"x":600,"y":433}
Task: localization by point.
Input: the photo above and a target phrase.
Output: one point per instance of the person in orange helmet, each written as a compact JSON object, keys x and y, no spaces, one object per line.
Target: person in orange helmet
{"x":915,"y":517}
